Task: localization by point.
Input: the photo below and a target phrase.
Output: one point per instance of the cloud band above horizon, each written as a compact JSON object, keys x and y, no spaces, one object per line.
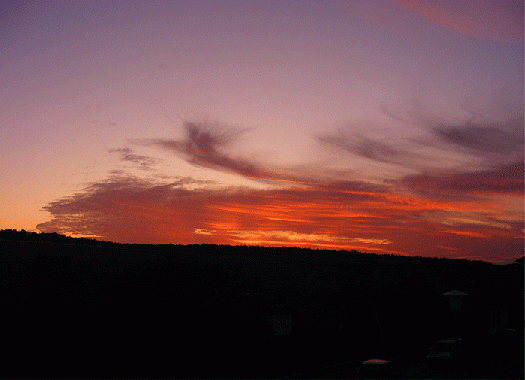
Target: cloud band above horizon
{"x":432,"y":213}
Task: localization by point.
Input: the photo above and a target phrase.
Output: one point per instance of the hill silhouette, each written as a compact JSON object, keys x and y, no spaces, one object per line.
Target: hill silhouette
{"x":81,"y":307}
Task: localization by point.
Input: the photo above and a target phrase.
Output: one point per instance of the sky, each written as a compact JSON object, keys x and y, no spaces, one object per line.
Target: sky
{"x":386,"y":126}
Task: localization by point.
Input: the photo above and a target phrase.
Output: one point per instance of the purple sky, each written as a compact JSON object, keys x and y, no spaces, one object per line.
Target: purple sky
{"x":383,"y":126}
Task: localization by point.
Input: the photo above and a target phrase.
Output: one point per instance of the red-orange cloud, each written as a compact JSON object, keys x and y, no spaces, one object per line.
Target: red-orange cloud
{"x":473,"y":214}
{"x":130,"y":210}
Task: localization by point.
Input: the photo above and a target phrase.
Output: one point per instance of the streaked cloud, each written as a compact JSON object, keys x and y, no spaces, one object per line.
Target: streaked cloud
{"x":126,"y":154}
{"x":427,"y":207}
{"x":484,"y":139}
{"x":126,"y":208}
{"x":506,"y":179}
{"x":495,"y":20}
{"x":372,"y":149}
{"x":489,"y":142}
{"x":206,"y":146}
{"x":299,"y":238}
{"x":431,"y":167}
{"x":204,"y":231}
{"x":500,"y":21}
{"x":466,"y":218}
{"x":370,"y":218}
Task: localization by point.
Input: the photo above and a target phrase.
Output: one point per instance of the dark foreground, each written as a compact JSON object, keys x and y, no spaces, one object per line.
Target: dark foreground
{"x":43,"y":355}
{"x":75,"y":308}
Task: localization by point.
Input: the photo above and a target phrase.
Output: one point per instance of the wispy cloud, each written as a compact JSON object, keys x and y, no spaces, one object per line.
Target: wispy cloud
{"x":506,"y":179}
{"x":205,"y":146}
{"x":501,"y":20}
{"x":485,"y":139}
{"x":126,"y":154}
{"x":472,"y":212}
{"x":371,"y":149}
{"x":488,"y":142}
{"x":301,"y":238}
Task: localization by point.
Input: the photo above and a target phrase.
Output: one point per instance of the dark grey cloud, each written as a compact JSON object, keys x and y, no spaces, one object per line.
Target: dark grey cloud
{"x":505,"y":179}
{"x":495,"y":140}
{"x":126,"y":154}
{"x":493,"y":143}
{"x":484,"y":139}
{"x":206,"y":146}
{"x":369,"y":148}
{"x":364,"y":147}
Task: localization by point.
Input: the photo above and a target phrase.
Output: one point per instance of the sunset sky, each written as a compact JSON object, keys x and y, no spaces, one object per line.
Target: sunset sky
{"x":387,"y":126}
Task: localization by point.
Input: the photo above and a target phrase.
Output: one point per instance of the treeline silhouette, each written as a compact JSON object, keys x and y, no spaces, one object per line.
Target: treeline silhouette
{"x":12,"y":234}
{"x":240,"y":311}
